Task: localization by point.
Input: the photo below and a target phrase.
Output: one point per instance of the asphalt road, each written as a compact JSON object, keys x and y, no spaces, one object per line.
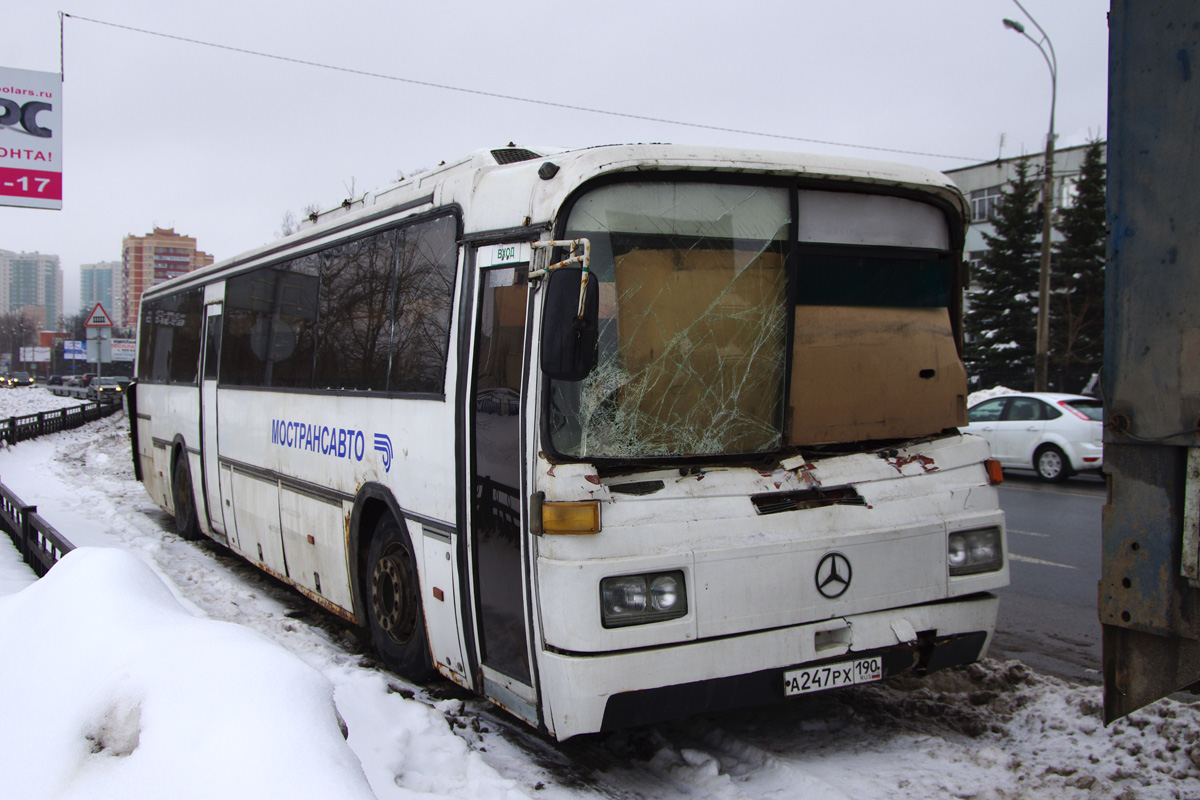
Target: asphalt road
{"x":1048,"y":616}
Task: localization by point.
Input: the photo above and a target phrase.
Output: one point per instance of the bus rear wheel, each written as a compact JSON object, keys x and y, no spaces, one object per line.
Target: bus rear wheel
{"x":394,"y":611}
{"x":187,"y":524}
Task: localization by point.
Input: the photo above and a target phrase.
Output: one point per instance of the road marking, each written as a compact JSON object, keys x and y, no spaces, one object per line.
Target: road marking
{"x":1082,"y":490}
{"x":1030,"y":533}
{"x":1029,"y":560}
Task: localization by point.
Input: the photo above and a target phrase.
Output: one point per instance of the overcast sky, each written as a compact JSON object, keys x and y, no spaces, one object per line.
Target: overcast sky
{"x":220,"y":144}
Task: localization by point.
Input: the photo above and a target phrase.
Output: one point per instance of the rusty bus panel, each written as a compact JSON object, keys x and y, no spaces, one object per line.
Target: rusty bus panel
{"x":1149,"y":600}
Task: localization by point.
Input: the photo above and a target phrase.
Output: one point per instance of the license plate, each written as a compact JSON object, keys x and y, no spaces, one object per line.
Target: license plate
{"x":830,"y":676}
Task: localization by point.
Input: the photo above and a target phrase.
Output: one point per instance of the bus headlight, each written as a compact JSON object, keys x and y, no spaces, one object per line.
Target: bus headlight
{"x":664,"y":593}
{"x":974,"y":551}
{"x":639,"y":599}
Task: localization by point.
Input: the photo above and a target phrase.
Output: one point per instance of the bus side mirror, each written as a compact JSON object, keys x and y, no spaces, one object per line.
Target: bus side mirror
{"x":569,"y":340}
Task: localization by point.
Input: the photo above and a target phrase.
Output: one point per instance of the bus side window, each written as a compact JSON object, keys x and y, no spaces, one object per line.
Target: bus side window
{"x":212,"y":347}
{"x":425,"y":274}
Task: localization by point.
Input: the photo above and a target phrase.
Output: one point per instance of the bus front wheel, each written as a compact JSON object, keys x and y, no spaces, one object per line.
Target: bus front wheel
{"x":394,"y":611}
{"x":187,"y":524}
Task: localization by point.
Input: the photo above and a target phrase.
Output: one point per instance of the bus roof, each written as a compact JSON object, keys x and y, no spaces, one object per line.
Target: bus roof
{"x":503,"y":188}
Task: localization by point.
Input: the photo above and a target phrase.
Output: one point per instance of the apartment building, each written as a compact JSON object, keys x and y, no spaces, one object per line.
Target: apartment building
{"x":32,"y":283}
{"x":151,"y":259}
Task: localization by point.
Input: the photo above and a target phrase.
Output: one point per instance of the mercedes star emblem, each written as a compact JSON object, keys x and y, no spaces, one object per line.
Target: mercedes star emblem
{"x":833,"y":575}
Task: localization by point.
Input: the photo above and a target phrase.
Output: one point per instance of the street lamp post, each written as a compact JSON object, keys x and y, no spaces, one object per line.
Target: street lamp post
{"x":1042,"y":357}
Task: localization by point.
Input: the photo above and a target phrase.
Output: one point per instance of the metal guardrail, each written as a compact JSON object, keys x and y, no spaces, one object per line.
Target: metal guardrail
{"x":36,"y":539}
{"x":29,"y":426}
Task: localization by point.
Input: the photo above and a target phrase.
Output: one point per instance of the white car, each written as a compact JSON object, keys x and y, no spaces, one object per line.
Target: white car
{"x":1055,"y":434}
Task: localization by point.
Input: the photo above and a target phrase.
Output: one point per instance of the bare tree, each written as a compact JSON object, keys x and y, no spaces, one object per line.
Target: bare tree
{"x":74,"y":326}
{"x":287,"y":225}
{"x":292,"y":222}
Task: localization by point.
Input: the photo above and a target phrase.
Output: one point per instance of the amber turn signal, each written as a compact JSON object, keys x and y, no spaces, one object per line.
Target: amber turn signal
{"x":570,"y":517}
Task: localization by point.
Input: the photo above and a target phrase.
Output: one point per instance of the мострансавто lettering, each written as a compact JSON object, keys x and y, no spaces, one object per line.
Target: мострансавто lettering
{"x":337,"y":442}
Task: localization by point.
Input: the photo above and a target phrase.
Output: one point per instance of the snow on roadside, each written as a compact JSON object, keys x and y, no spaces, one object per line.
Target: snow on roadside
{"x":15,"y":574}
{"x":991,"y":731}
{"x":32,"y":399}
{"x":975,"y":398}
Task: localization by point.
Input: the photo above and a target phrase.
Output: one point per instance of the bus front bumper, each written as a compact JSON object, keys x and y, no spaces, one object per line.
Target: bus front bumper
{"x":592,"y":693}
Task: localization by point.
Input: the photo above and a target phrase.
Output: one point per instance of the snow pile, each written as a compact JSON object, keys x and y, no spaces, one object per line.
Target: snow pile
{"x":133,"y":696}
{"x":1029,"y":735}
{"x":990,"y":731}
{"x":974,"y":398}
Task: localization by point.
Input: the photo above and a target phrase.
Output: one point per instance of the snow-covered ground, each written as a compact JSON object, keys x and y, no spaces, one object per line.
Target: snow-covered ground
{"x":32,"y":399}
{"x":144,"y":666}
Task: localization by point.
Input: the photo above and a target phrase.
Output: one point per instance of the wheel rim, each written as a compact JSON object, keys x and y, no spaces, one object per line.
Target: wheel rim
{"x":391,"y":598}
{"x":1050,"y":464}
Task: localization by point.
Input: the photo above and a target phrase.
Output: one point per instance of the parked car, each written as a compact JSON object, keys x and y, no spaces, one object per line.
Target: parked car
{"x":1054,"y":434}
{"x":106,"y":389}
{"x":14,"y":379}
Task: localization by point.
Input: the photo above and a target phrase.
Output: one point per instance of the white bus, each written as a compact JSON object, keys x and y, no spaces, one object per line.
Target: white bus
{"x":607,"y":436}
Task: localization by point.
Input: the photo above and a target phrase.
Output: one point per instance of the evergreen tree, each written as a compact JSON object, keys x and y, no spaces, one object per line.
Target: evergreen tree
{"x":1077,"y":280}
{"x":1001,"y":323}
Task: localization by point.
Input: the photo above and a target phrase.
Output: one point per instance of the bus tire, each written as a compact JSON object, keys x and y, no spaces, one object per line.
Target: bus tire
{"x":394,"y":611}
{"x":187,"y":524}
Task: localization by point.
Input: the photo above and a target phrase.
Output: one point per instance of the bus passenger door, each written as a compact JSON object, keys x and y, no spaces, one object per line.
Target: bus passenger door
{"x":497,"y":546}
{"x":208,"y":419}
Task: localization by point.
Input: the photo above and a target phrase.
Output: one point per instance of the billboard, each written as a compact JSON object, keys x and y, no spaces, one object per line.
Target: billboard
{"x":121,"y":350}
{"x":124,"y":349}
{"x":35,"y":355}
{"x":30,"y":138}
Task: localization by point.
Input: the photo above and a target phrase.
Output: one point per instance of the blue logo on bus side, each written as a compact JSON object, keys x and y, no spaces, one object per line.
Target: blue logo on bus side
{"x":384,"y":445}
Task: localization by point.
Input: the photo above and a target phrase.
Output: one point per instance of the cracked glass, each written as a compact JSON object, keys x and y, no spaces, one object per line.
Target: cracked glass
{"x":693,"y":323}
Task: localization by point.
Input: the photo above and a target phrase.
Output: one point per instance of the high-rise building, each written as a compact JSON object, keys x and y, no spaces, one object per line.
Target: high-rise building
{"x":31,"y":282}
{"x":154,"y":258}
{"x":103,"y":283}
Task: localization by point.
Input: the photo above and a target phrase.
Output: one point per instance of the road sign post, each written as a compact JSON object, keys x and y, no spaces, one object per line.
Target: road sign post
{"x":99,"y":337}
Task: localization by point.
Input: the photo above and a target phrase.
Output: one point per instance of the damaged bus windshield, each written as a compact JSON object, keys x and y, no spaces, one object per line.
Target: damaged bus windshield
{"x":708,"y":292}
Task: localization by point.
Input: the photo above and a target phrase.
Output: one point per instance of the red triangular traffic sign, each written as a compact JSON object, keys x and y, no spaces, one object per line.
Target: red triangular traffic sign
{"x":99,"y":318}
